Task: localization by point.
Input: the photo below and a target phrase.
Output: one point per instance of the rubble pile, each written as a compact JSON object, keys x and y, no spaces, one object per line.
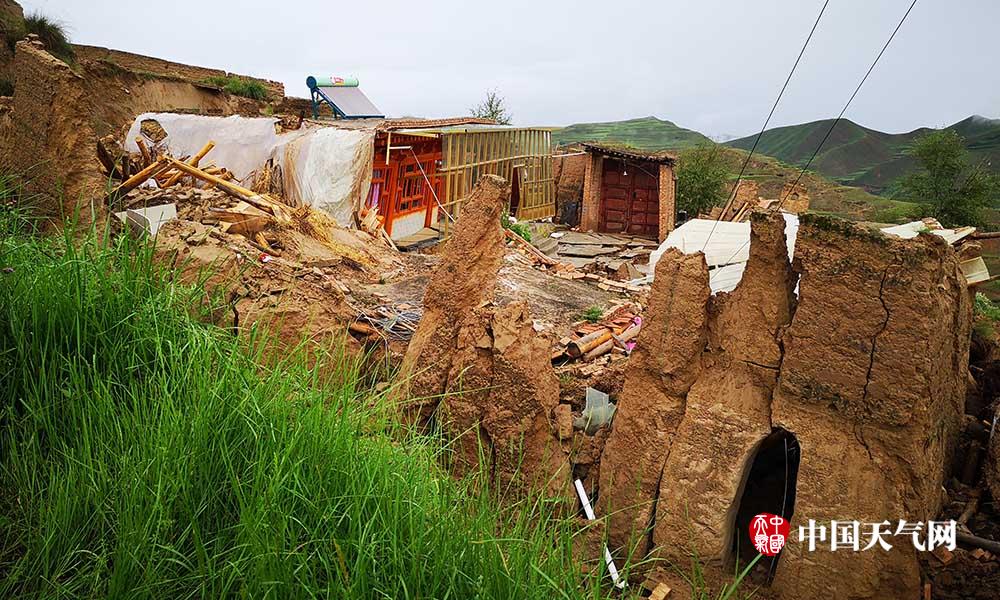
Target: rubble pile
{"x":289,"y":269}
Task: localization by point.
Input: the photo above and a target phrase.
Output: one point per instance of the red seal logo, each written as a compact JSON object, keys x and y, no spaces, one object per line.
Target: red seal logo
{"x":769,"y":533}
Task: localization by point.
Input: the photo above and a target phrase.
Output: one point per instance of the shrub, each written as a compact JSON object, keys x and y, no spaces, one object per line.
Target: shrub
{"x":521,"y":229}
{"x":592,"y":314}
{"x":237,"y":86}
{"x":53,"y":34}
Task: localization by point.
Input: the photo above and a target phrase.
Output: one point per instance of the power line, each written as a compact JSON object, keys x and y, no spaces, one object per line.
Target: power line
{"x":851,"y":99}
{"x":837,"y":120}
{"x":774,"y":107}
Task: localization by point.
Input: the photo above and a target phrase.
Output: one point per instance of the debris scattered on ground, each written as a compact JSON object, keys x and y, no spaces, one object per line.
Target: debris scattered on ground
{"x":397,"y":322}
{"x":614,"y":333}
{"x":611,"y":262}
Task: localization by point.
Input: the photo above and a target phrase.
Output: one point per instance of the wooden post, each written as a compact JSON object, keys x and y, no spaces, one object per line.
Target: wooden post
{"x":140,"y":177}
{"x":193,"y":162}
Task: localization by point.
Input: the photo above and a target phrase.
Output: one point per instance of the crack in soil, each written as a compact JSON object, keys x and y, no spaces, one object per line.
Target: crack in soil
{"x":885,"y":325}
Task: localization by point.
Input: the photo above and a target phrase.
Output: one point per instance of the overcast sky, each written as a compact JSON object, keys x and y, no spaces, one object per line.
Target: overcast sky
{"x":710,"y":65}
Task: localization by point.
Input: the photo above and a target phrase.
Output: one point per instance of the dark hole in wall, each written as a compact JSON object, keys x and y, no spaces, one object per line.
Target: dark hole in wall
{"x":770,"y":488}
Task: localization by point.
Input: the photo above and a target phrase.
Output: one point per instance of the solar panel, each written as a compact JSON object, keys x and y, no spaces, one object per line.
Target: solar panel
{"x":351,"y":101}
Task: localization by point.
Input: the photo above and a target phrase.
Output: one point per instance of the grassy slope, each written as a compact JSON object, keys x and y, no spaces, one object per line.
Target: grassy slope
{"x":146,"y":455}
{"x":826,"y":196}
{"x":856,"y":155}
{"x":647,"y":133}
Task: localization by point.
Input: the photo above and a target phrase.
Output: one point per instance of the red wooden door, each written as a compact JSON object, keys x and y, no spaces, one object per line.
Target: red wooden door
{"x":630,"y":199}
{"x":644,"y":210}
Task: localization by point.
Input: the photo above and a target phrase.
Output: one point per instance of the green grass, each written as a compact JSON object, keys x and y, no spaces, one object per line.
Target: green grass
{"x":53,"y":34}
{"x":237,"y":86}
{"x":647,"y":133}
{"x":146,"y":454}
{"x":593,"y":314}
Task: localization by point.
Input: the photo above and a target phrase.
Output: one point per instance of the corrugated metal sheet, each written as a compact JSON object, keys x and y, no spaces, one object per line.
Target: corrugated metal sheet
{"x":726,"y":249}
{"x":722,"y":242}
{"x":914,"y":228}
{"x":725,"y":279}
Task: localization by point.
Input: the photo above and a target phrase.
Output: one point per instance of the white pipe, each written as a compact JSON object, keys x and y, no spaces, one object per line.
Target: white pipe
{"x":589,"y":511}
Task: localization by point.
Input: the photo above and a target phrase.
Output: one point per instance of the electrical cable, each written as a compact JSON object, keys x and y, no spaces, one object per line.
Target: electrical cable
{"x":771,"y":114}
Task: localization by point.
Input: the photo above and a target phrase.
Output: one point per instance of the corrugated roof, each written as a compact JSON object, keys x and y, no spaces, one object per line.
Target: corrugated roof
{"x":726,"y":246}
{"x":465,"y":128}
{"x":627,"y":152}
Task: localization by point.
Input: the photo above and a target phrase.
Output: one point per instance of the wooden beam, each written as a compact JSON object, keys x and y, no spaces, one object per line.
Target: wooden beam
{"x":139,"y":178}
{"x":261,"y":201}
{"x":147,"y":157}
{"x":193,"y":162}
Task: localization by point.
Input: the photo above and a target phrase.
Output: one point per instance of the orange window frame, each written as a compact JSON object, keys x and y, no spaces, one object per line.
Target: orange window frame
{"x":399,"y":188}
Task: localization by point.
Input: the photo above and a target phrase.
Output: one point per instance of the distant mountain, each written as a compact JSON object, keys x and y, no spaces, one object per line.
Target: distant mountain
{"x":863,"y":157}
{"x":647,"y":133}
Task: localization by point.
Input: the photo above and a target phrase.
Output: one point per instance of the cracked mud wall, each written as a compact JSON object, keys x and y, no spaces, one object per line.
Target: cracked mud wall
{"x":661,"y":370}
{"x":728,"y":409}
{"x":873,"y":384}
{"x":59,"y":112}
{"x":480,"y":371}
{"x":464,"y":281}
{"x":49,"y":139}
{"x":867,"y":369}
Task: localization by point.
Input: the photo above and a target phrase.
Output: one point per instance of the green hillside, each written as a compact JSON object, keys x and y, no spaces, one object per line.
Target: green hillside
{"x":771,"y":174}
{"x":863,"y":157}
{"x":647,"y":133}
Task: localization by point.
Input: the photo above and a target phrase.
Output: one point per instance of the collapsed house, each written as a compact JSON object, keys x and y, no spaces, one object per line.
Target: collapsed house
{"x":810,"y":369}
{"x":412,"y":173}
{"x":800,"y":391}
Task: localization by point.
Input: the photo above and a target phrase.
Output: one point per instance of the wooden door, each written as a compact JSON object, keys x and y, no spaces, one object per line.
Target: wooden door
{"x":644,"y":209}
{"x":629,"y":199}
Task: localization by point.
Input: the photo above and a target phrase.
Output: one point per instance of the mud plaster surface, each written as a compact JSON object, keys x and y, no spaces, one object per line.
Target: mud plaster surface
{"x":867,"y":369}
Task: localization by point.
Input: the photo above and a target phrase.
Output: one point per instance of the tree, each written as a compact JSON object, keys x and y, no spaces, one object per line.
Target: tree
{"x":702,"y":173}
{"x":946,"y":185}
{"x":493,"y":107}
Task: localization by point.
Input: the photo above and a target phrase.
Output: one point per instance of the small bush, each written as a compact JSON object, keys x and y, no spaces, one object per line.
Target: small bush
{"x":592,"y":314}
{"x":985,"y":308}
{"x":521,"y":229}
{"x":6,"y":87}
{"x":53,"y":35}
{"x":240,"y":87}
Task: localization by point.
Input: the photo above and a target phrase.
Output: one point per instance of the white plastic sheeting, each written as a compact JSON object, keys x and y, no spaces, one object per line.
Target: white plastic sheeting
{"x":242,"y":144}
{"x":726,"y":248}
{"x":324,"y":167}
{"x":329,"y":169}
